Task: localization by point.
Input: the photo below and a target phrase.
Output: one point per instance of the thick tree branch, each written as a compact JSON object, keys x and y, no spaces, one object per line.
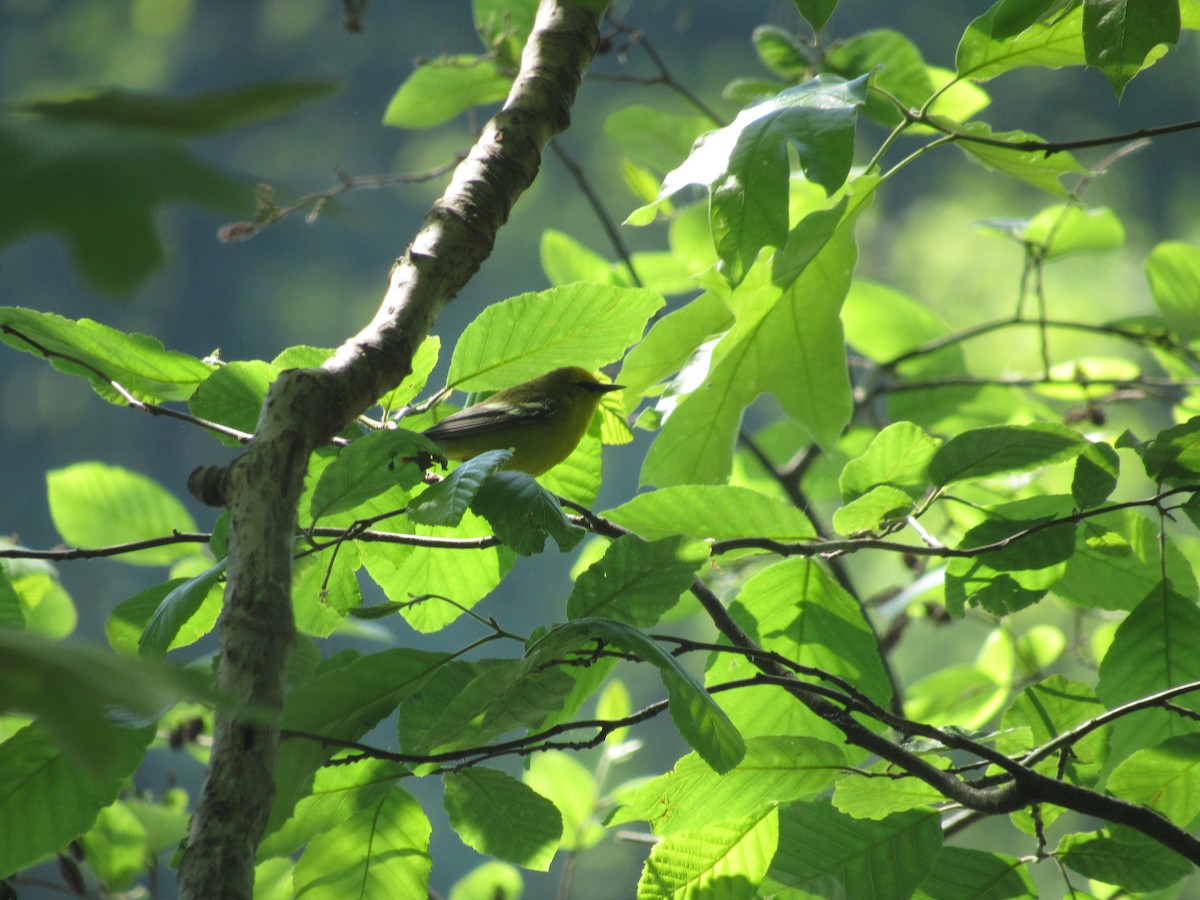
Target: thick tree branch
{"x":305,"y":408}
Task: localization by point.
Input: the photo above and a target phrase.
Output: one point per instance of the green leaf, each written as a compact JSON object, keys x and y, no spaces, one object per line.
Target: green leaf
{"x":442,"y":88}
{"x":338,"y":794}
{"x":464,"y":576}
{"x":177,"y":610}
{"x":128,"y":621}
{"x":203,"y":113}
{"x":115,"y":847}
{"x":42,"y":605}
{"x":1003,"y":449}
{"x":882,"y":323}
{"x":36,"y":773}
{"x":102,"y":187}
{"x":504,"y":26}
{"x":1031,"y":166}
{"x":1048,"y":547}
{"x":503,"y":695}
{"x":82,"y":693}
{"x":1174,"y":454}
{"x":717,"y":512}
{"x":1150,"y":652}
{"x":780,"y":51}
{"x":233,"y":395}
{"x":701,"y":722}
{"x":101,"y":354}
{"x":565,"y":782}
{"x":745,"y":165}
{"x":1165,"y":777}
{"x":824,"y":851}
{"x":367,"y":467}
{"x":1064,"y":229}
{"x":499,"y":816}
{"x":691,"y":796}
{"x":382,"y":851}
{"x":871,"y":510}
{"x":897,"y":456}
{"x":1096,"y":472}
{"x":959,"y":872}
{"x":881,"y":790}
{"x":1119,"y":855}
{"x":1043,"y":711}
{"x":1173,"y":270}
{"x":423,"y":362}
{"x":654,"y":137}
{"x":637,"y":581}
{"x":670,"y":342}
{"x":726,"y":859}
{"x":795,"y":608}
{"x":1118,"y":561}
{"x":1016,"y":33}
{"x":523,"y":513}
{"x":586,"y":325}
{"x":94,"y":505}
{"x":961,"y":696}
{"x":787,"y":321}
{"x":446,"y":502}
{"x":325,"y":590}
{"x":489,"y":881}
{"x":566,"y":260}
{"x":421,"y":710}
{"x":816,"y":12}
{"x":1119,"y":36}
{"x":343,"y":704}
{"x":902,"y":70}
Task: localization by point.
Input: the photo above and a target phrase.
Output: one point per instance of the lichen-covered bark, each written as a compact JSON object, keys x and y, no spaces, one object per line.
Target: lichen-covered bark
{"x":306,"y":407}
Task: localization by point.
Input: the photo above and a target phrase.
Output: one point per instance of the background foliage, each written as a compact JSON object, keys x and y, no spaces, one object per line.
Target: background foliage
{"x":969,"y":427}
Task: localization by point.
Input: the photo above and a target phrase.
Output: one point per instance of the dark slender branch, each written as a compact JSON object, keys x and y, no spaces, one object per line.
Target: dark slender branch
{"x":268,"y":213}
{"x":1049,"y":148}
{"x":153,"y":409}
{"x":664,"y":77}
{"x":1160,"y":339}
{"x":597,"y":205}
{"x":853,"y":545}
{"x":1067,"y":738}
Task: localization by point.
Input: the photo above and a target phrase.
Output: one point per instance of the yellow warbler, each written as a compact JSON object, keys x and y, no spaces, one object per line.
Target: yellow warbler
{"x":541,"y":420}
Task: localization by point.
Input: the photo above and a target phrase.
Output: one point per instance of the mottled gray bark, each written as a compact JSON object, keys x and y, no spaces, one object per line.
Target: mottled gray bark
{"x":305,"y":408}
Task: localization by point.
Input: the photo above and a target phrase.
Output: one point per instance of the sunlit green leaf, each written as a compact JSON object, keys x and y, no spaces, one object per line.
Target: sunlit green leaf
{"x":1016,"y":33}
{"x":523,"y":513}
{"x":637,"y":581}
{"x":499,"y":816}
{"x":368,"y":466}
{"x":586,"y":325}
{"x":95,"y":505}
{"x":1165,"y":777}
{"x":1173,"y":270}
{"x":691,"y":796}
{"x":1119,"y":855}
{"x":727,"y":858}
{"x":1120,"y":35}
{"x":1031,"y":166}
{"x":826,"y":852}
{"x":442,"y":88}
{"x":1003,"y":449}
{"x":98,"y":353}
{"x":961,"y":872}
{"x":382,"y":851}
